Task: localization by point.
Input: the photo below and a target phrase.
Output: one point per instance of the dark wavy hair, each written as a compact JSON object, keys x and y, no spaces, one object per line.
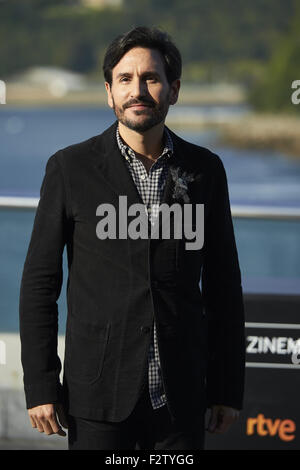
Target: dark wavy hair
{"x":151,"y":38}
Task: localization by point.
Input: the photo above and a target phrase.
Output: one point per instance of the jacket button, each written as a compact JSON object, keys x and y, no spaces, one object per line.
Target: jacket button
{"x":155,"y":284}
{"x":145,"y":329}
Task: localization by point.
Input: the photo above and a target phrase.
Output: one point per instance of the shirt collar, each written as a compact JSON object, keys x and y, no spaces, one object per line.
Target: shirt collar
{"x":128,"y":153}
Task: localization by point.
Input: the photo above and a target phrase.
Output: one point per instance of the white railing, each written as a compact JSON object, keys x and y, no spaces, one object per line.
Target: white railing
{"x":8,"y":202}
{"x":264,"y":212}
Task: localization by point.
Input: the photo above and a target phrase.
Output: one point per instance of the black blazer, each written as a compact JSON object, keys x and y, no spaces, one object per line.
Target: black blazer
{"x":116,"y":287}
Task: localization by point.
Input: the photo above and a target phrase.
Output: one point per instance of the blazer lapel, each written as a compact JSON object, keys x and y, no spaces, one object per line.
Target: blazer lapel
{"x":176,"y":160}
{"x":112,"y":166}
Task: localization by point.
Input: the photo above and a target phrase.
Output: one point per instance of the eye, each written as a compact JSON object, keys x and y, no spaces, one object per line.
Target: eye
{"x":124,"y":79}
{"x":151,"y":78}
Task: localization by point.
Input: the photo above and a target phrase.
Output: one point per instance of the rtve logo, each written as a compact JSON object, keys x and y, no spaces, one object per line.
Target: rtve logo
{"x":283,"y":428}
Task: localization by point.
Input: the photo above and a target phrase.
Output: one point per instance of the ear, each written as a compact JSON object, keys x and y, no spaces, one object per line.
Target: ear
{"x":174,"y":91}
{"x":109,"y":95}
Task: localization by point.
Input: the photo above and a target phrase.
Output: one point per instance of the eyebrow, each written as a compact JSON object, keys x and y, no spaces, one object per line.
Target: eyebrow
{"x":127,"y":74}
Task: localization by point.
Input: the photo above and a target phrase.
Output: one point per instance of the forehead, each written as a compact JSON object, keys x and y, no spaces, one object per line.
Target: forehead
{"x":140,"y":59}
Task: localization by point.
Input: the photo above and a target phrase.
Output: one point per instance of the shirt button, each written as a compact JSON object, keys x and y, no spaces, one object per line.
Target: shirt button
{"x":143,"y":177}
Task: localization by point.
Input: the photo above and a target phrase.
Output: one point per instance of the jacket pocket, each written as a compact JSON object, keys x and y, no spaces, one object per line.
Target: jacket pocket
{"x":85,"y":351}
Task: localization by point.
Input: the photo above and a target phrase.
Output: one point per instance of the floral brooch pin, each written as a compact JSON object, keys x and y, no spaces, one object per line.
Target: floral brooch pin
{"x":181,"y":179}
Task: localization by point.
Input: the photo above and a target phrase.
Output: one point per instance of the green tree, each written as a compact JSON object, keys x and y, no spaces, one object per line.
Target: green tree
{"x":273,"y":92}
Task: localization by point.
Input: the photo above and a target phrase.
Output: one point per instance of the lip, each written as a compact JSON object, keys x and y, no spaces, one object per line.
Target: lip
{"x":139,"y":106}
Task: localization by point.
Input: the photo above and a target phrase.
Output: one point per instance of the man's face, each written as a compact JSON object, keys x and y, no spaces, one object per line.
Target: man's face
{"x":140,"y":94}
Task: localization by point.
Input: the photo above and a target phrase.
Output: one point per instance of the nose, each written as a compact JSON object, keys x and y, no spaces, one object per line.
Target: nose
{"x":138,"y":88}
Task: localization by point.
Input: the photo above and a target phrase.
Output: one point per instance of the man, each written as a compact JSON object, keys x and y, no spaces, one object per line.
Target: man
{"x":147,"y":350}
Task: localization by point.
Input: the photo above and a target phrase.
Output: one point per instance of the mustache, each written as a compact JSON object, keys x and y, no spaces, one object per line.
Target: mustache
{"x":141,"y":101}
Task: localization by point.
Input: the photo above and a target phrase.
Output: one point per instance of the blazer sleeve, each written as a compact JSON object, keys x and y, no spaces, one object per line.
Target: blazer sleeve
{"x":40,"y":288}
{"x":223,"y":300}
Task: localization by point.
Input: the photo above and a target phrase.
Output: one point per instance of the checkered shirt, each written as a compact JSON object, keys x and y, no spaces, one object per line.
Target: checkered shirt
{"x":150,"y":187}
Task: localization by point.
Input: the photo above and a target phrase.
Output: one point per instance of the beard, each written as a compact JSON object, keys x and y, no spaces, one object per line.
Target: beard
{"x":153,"y":115}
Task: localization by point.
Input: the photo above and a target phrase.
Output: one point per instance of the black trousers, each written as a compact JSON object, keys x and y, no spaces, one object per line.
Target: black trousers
{"x":144,"y":429}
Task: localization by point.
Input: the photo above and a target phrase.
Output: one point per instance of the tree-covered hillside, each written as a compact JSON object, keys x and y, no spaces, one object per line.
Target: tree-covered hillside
{"x":255,"y":43}
{"x":227,"y":33}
